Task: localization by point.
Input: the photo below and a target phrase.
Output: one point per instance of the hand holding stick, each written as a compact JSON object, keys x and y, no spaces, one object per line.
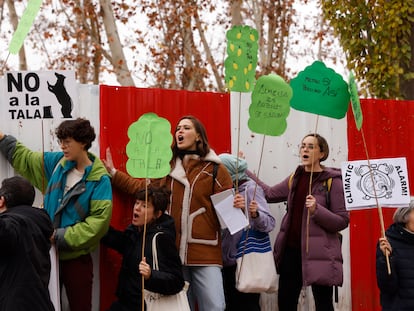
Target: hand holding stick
{"x":386,"y":249}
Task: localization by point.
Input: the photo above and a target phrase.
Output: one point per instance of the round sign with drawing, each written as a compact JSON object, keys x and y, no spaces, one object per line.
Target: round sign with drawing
{"x":377,"y":183}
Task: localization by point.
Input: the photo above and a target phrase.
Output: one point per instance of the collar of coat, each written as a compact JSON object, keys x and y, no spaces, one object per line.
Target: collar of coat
{"x":178,"y":171}
{"x":93,"y":172}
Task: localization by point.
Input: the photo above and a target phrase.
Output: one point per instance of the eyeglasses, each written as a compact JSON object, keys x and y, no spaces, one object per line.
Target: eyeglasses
{"x":308,"y":146}
{"x":65,"y":142}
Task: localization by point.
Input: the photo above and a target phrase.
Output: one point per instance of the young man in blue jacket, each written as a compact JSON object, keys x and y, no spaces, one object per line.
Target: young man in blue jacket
{"x":78,"y":199}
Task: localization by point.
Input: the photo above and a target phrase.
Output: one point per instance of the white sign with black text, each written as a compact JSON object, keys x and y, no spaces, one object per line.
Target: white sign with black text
{"x":382,"y":180}
{"x":40,"y":95}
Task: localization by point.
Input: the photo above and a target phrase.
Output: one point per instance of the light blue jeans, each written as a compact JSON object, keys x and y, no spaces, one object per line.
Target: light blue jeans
{"x":206,"y":288}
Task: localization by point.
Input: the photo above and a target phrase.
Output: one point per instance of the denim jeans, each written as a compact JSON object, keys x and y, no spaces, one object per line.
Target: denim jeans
{"x":206,"y":287}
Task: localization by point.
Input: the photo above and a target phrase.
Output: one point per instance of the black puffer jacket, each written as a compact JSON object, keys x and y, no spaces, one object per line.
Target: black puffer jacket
{"x":168,"y":280}
{"x":397,"y":289}
{"x":25,"y":233}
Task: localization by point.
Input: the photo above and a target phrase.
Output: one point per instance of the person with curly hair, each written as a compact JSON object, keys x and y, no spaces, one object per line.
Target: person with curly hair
{"x":78,"y":199}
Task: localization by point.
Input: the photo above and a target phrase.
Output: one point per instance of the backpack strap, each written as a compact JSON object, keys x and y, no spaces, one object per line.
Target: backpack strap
{"x":327,"y":185}
{"x":290,"y":180}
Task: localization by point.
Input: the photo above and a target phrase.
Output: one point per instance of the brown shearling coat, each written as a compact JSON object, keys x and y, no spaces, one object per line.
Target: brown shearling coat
{"x":198,"y":230}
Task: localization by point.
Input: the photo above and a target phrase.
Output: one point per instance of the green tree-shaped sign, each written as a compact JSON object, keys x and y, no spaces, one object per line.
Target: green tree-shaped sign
{"x":270,"y":105}
{"x":356,"y":105}
{"x":240,"y":64}
{"x":320,"y":90}
{"x":149,"y":149}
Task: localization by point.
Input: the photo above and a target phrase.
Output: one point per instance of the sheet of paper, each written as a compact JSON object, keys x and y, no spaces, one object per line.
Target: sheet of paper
{"x":230,"y":217}
{"x":54,"y":284}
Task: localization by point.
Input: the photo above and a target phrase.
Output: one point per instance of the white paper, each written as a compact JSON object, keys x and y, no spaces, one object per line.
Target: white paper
{"x":229,"y":216}
{"x":385,"y":180}
{"x":54,"y":286}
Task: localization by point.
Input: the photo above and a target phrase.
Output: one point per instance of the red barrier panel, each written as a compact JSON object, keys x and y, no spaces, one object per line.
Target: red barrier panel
{"x":388,"y":130}
{"x":121,"y":106}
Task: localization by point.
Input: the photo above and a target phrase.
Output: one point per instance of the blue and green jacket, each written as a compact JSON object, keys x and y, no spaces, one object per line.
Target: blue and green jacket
{"x":82,"y":215}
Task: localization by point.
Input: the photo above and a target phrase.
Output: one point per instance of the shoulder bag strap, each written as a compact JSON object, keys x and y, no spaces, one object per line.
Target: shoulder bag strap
{"x":154,"y":252}
{"x":246,"y":213}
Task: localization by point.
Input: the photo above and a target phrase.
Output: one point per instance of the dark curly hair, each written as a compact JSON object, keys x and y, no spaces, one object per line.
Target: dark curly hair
{"x":80,"y":130}
{"x":159,"y":196}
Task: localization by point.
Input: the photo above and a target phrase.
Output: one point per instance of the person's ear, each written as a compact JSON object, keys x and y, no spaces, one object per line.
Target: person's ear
{"x":158,"y":214}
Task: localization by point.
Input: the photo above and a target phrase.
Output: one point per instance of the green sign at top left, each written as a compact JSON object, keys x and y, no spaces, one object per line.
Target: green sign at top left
{"x":24,"y":25}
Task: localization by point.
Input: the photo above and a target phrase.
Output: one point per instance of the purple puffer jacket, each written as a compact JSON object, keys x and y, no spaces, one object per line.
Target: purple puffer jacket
{"x":322,"y":264}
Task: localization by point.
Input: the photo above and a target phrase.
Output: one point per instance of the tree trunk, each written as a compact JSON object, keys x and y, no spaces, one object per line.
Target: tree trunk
{"x":96,"y":42}
{"x":189,"y":72}
{"x":118,"y":60}
{"x":235,"y":11}
{"x":82,"y":42}
{"x":209,"y":55}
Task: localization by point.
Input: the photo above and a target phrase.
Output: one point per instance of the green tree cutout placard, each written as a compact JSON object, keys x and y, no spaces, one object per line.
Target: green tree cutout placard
{"x":240,"y":64}
{"x":149,"y":149}
{"x":356,"y":105}
{"x":270,"y":105}
{"x":29,"y":14}
{"x":320,"y":90}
